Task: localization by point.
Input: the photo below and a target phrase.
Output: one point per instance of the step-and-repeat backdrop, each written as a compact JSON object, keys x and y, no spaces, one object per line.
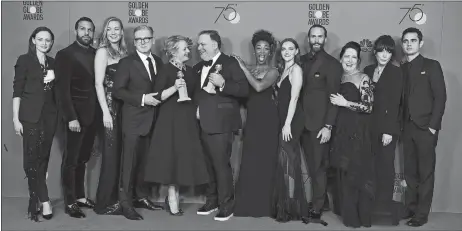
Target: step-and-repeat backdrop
{"x":236,"y":22}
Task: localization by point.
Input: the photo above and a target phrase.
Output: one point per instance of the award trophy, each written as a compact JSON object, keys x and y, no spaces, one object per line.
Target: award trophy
{"x":182,"y":91}
{"x":210,"y":88}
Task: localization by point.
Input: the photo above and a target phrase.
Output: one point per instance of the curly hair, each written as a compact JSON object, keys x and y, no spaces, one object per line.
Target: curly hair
{"x":263,"y":35}
{"x":171,"y":44}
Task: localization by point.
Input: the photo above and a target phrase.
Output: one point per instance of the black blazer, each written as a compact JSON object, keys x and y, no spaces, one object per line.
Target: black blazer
{"x":131,"y":81}
{"x":424,"y":92}
{"x":387,"y":97}
{"x":28,"y":85}
{"x":220,"y":113}
{"x":319,"y":81}
{"x":74,"y":70}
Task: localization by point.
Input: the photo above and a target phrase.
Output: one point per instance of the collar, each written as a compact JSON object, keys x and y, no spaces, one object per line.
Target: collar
{"x":144,"y":57}
{"x":178,"y":65}
{"x":216,"y":57}
{"x":416,"y":59}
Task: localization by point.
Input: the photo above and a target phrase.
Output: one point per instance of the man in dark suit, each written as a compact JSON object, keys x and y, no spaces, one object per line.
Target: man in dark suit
{"x":134,"y":84}
{"x":424,"y":104}
{"x":82,"y":114}
{"x":219,"y":115}
{"x":321,"y":77}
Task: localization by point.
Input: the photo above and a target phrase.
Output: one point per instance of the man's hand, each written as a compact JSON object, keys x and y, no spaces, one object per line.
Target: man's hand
{"x":216,"y":79}
{"x":150,"y":100}
{"x":74,"y":126}
{"x":324,"y":134}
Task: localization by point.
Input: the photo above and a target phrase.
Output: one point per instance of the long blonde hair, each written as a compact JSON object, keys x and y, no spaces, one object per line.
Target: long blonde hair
{"x":105,"y":43}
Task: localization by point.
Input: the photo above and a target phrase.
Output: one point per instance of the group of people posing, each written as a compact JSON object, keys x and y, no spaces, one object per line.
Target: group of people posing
{"x":172,"y":124}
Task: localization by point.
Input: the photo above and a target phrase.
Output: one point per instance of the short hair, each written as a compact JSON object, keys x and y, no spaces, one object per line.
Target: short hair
{"x":412,"y":30}
{"x":384,"y":42}
{"x":213,"y":35}
{"x":353,"y":45}
{"x":32,"y":48}
{"x":263,"y":35}
{"x":317,"y":26}
{"x":171,"y":44}
{"x":83,"y":19}
{"x":143,"y":27}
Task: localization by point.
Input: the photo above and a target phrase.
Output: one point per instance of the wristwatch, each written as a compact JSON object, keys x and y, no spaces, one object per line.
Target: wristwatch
{"x":328,"y":127}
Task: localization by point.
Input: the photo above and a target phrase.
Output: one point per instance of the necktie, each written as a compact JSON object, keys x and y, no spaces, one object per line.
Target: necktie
{"x":208,"y":63}
{"x":151,"y":68}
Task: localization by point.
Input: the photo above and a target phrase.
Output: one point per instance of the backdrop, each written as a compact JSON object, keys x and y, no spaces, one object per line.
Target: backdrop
{"x":237,"y":21}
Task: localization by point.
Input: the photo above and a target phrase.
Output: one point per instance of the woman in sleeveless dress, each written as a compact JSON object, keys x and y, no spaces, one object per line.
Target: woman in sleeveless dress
{"x":289,"y":198}
{"x":260,"y":138}
{"x":351,"y":153}
{"x":111,"y":49}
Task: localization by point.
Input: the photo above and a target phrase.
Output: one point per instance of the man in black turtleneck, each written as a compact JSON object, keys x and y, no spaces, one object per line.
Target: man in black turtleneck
{"x":423,"y":108}
{"x":74,"y":68}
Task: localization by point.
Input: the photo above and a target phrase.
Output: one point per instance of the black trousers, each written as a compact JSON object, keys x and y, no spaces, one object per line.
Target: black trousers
{"x":218,"y":148}
{"x":419,"y":168}
{"x":384,"y":167}
{"x":132,"y":185}
{"x":316,"y":156}
{"x":79,"y":146}
{"x":37,"y":141}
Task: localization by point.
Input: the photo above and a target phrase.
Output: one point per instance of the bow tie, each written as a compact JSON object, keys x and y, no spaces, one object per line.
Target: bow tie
{"x":208,"y":63}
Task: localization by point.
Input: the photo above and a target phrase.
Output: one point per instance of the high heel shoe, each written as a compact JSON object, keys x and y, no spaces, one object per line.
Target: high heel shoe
{"x":48,"y":216}
{"x":167,"y":205}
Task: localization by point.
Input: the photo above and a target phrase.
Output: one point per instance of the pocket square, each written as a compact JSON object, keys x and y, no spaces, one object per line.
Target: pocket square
{"x":422,"y":73}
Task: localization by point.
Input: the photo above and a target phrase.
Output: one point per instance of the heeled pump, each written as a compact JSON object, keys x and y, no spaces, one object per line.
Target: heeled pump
{"x":169,"y":210}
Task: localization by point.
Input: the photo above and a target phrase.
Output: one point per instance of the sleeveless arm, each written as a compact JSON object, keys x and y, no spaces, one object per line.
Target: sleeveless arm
{"x":296,"y":80}
{"x":101,"y":59}
{"x":367,"y":97}
{"x":260,"y":85}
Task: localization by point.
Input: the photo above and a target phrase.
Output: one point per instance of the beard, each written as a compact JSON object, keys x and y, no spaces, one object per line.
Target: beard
{"x":313,"y":49}
{"x":83,"y":42}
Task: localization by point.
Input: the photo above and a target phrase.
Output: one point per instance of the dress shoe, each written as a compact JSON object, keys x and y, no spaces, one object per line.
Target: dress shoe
{"x":314,"y":214}
{"x":74,"y":211}
{"x":115,"y":209}
{"x":169,"y":210}
{"x":131,"y":214}
{"x":207,"y":208}
{"x":408,"y":215}
{"x":416,"y":222}
{"x":87,"y":204}
{"x":146,"y":204}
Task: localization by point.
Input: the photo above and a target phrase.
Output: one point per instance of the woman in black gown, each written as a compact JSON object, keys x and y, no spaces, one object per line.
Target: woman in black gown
{"x":289,"y":198}
{"x":176,"y":157}
{"x":35,"y":116}
{"x":111,"y":49}
{"x":351,"y":153}
{"x":260,"y":142}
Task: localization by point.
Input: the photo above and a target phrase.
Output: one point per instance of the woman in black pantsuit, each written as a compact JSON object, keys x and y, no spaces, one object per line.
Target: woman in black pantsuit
{"x":35,"y":116}
{"x":387,"y":80}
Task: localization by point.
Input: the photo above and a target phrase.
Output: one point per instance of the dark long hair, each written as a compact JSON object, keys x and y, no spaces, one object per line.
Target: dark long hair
{"x":32,"y":48}
{"x":280,"y":60}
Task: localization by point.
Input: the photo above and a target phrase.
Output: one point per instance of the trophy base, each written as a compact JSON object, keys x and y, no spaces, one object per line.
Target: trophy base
{"x":210,"y":91}
{"x":183,"y":99}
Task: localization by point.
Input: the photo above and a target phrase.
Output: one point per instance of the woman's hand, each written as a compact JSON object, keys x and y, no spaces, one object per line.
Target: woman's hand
{"x":339,"y":100}
{"x":239,"y":60}
{"x":179,"y":83}
{"x":17,"y":127}
{"x":286,"y":133}
{"x":107,"y":120}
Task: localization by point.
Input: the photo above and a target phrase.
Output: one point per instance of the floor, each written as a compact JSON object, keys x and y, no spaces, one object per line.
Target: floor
{"x":14,"y":218}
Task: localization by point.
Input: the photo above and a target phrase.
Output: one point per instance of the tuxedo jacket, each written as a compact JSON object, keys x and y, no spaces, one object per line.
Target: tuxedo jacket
{"x":220,"y":113}
{"x":28,"y":85}
{"x":387,"y":98}
{"x":424,"y":92}
{"x":131,"y":81}
{"x":75,"y":79}
{"x":320,"y":79}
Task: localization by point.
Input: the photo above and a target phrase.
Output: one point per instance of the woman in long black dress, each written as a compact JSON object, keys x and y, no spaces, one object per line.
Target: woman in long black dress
{"x":351,"y":153}
{"x":176,"y":157}
{"x":35,"y":116}
{"x":385,"y":124}
{"x":259,"y":154}
{"x":289,"y":198}
{"x":111,"y":49}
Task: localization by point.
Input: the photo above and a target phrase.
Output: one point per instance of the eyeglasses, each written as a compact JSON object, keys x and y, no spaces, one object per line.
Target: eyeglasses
{"x":143,"y":40}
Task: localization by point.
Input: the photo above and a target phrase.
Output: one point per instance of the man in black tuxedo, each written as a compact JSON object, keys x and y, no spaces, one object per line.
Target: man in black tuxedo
{"x":424,"y":103}
{"x":134,"y":84}
{"x":81,"y":113}
{"x":219,"y":115}
{"x":321,"y":77}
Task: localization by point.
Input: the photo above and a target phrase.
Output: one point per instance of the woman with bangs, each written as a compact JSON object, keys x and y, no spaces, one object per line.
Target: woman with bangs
{"x":387,"y":80}
{"x":111,"y":49}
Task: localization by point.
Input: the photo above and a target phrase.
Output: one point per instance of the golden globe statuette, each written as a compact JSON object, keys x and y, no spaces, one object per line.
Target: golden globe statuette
{"x":182,"y":91}
{"x":210,"y":88}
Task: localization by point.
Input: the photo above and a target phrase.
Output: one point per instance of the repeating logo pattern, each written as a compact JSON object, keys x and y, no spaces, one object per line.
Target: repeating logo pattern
{"x":138,"y":12}
{"x":366,"y":45}
{"x":32,"y":10}
{"x":319,"y":13}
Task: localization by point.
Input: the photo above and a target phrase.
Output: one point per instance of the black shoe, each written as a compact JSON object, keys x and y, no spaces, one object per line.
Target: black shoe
{"x":223,"y":215}
{"x":87,"y":204}
{"x":146,"y":204}
{"x":207,"y":208}
{"x":74,"y":211}
{"x":416,"y":222}
{"x":408,"y":215}
{"x":115,"y":209}
{"x":131,"y":214}
{"x":314,"y":214}
{"x":169,"y":210}
{"x":48,"y":216}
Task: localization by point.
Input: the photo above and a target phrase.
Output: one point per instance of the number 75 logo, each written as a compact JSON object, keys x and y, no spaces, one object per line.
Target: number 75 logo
{"x":228,"y":7}
{"x":410,"y":10}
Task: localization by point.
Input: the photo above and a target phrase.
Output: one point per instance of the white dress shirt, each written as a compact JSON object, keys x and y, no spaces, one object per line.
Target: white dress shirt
{"x":143,"y":58}
{"x":205,"y":70}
